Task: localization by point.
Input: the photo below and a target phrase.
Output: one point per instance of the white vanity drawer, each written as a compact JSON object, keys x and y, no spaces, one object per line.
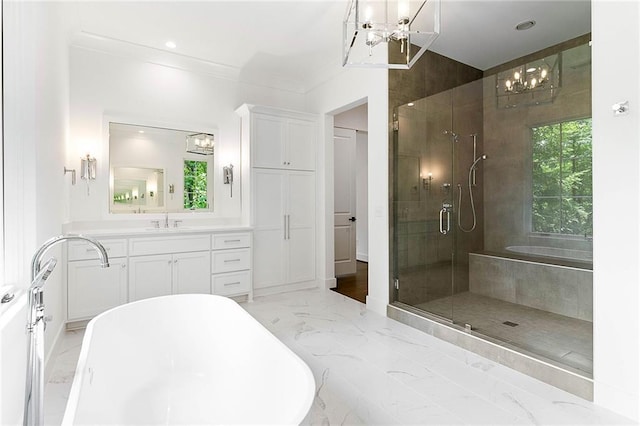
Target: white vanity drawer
{"x":80,"y":250}
{"x":230,"y":260}
{"x":169,"y":244}
{"x":228,"y":241}
{"x":231,"y":284}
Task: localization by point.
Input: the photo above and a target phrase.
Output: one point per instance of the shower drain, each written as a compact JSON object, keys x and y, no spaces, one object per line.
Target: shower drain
{"x":510,"y":324}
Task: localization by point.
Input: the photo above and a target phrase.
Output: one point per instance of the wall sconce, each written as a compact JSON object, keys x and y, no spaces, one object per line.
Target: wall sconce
{"x":227,"y":177}
{"x":426,"y":182}
{"x":88,"y":169}
{"x":73,"y":175}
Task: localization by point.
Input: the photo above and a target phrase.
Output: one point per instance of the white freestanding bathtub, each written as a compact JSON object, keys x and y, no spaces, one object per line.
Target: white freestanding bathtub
{"x":186,"y":359}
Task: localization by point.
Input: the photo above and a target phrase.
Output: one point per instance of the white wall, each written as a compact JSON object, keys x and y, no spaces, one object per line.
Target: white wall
{"x":350,"y":88}
{"x":616,"y":190}
{"x":36,"y":116}
{"x":362,"y":196}
{"x":354,"y":118}
{"x":149,"y":93}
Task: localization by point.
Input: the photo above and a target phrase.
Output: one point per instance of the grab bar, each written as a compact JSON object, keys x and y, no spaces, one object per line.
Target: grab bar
{"x":446,"y":208}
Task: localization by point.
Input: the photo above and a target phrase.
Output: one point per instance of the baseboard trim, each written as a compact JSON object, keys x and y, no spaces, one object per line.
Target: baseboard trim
{"x":378,"y":306}
{"x":330,"y":283}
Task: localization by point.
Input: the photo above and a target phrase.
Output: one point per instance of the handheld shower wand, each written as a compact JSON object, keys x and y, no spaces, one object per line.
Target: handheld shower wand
{"x":471,"y":182}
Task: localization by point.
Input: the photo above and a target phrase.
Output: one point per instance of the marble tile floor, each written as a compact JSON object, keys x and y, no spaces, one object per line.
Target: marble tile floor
{"x":565,"y":340}
{"x":370,"y":369}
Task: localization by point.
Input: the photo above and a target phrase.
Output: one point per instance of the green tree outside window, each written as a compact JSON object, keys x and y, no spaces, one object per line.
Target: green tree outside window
{"x":562,"y":178}
{"x":195,"y":185}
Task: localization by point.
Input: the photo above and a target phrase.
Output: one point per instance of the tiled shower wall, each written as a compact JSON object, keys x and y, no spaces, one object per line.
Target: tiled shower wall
{"x":507,"y":143}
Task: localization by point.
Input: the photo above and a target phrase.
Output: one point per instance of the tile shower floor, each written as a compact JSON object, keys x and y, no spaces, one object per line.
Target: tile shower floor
{"x":370,"y":369}
{"x":562,"y":339}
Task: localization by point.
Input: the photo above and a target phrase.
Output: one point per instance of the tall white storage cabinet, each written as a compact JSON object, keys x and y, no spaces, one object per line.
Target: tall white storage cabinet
{"x":282,"y":147}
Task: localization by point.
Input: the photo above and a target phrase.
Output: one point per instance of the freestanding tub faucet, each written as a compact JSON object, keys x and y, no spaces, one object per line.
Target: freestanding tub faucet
{"x":34,"y":390}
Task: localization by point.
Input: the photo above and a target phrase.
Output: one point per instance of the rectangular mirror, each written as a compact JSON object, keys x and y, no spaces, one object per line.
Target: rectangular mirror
{"x":155,"y":169}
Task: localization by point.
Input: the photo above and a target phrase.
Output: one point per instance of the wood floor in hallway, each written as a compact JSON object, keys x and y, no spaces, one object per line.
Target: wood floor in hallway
{"x":355,"y":286}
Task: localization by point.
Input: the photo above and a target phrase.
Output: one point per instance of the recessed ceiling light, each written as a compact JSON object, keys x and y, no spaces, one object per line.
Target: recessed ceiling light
{"x":140,"y":131}
{"x":410,"y":104}
{"x":170,"y":44}
{"x":525,"y":25}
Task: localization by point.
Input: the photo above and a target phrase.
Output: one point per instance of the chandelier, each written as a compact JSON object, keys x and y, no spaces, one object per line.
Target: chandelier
{"x":200,"y":143}
{"x":532,"y":83}
{"x":389,"y":33}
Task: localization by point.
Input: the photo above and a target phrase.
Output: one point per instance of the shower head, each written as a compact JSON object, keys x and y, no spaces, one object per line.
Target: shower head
{"x":44,"y":273}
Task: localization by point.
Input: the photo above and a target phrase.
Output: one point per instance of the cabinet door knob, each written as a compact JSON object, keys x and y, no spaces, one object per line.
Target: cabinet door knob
{"x":124,"y":265}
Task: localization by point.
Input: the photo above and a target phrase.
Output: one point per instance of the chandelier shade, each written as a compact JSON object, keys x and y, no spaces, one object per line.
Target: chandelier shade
{"x":533,"y":83}
{"x":390,"y":34}
{"x":200,"y":143}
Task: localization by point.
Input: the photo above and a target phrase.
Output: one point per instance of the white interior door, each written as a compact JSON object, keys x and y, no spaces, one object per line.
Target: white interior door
{"x":344,"y":201}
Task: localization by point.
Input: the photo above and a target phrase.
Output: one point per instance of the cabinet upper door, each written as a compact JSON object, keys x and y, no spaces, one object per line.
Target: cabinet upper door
{"x":268,"y":141}
{"x":301,"y":145}
{"x":283,"y":143}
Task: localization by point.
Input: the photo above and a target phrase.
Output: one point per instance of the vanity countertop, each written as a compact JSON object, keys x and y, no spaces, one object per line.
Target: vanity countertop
{"x":151,"y":231}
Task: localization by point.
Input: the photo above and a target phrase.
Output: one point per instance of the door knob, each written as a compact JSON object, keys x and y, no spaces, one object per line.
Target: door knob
{"x":352,"y":219}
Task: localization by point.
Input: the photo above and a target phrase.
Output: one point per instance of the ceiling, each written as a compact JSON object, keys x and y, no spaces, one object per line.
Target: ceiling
{"x":295,"y":45}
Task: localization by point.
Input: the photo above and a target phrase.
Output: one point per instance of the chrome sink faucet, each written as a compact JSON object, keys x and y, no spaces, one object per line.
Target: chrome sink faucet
{"x":166,"y":219}
{"x":34,"y":389}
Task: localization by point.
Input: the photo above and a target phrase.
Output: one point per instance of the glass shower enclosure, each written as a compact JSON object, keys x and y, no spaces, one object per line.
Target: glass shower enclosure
{"x":491,"y":204}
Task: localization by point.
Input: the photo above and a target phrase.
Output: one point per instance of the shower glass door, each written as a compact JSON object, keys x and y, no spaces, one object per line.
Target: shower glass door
{"x":424,"y":193}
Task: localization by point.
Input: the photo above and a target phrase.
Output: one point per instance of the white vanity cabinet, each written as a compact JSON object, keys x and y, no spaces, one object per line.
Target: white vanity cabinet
{"x":158,"y":263}
{"x":92,"y":289}
{"x":164,"y":265}
{"x":282,"y":146}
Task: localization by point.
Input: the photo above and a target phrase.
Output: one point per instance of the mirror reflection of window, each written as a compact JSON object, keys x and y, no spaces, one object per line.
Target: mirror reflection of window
{"x":195,"y":185}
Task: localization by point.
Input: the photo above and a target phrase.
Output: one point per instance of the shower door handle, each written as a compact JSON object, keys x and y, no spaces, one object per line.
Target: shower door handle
{"x":446,"y":209}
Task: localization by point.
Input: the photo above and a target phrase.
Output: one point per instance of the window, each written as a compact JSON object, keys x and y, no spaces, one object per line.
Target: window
{"x":195,"y":185}
{"x":562,"y":178}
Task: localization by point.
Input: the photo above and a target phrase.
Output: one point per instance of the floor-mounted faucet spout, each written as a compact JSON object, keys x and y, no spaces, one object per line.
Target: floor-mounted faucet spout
{"x":34,"y":390}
